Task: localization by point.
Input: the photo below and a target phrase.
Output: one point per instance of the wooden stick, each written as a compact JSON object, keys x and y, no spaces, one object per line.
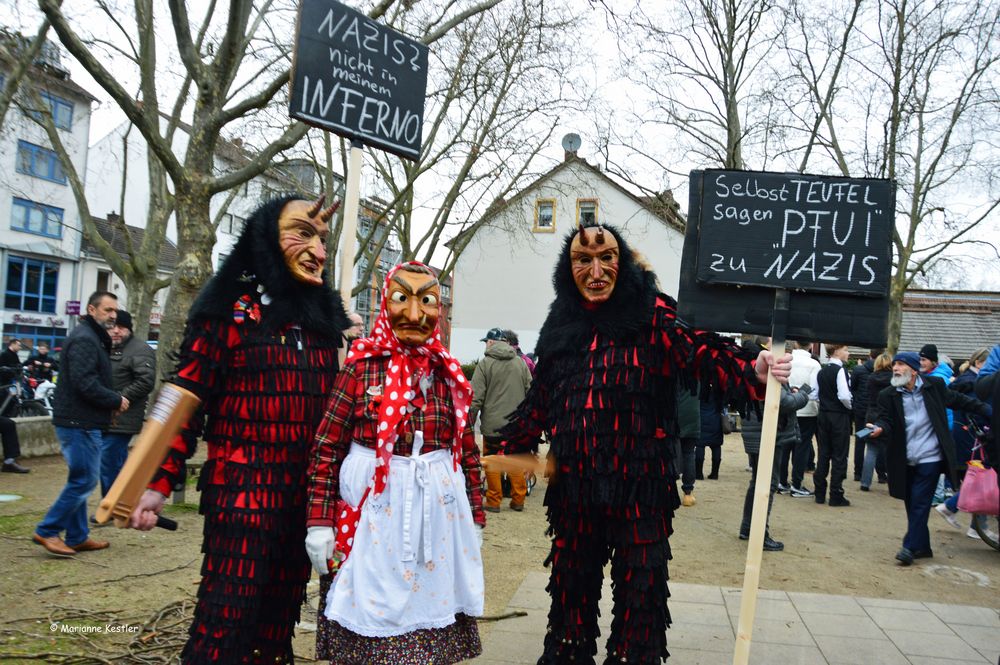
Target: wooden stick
{"x":172,"y":409}
{"x":349,"y":232}
{"x":761,"y":496}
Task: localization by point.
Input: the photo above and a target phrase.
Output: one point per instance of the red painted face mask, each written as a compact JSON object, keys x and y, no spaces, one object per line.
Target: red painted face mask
{"x":594,"y":262}
{"x":302,"y":234}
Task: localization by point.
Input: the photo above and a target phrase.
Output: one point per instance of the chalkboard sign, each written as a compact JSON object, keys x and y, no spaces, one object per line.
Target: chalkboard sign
{"x":814,"y":315}
{"x":796,"y":231}
{"x":358,"y":78}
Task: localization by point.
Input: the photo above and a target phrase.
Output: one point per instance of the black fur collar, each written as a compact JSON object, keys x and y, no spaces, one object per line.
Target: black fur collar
{"x":570,"y":324}
{"x":256,"y":264}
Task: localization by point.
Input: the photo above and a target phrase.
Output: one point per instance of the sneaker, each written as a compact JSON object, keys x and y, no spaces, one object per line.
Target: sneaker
{"x":948,"y":516}
{"x":972,"y":533}
{"x":687,"y":500}
{"x":783,"y":488}
{"x":865,"y":488}
{"x":882,"y":480}
{"x":904,"y":557}
{"x":800,"y":492}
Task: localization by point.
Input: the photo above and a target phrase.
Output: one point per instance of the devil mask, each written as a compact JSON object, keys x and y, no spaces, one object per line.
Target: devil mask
{"x":413,"y":304}
{"x":302,"y":234}
{"x":594,"y":257}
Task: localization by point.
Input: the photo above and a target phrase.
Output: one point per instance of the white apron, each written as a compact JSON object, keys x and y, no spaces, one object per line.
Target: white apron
{"x":415,"y":561}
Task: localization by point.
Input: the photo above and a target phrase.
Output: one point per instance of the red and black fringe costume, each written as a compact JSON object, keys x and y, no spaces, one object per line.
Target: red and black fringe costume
{"x":263,"y":372}
{"x":605,"y":393}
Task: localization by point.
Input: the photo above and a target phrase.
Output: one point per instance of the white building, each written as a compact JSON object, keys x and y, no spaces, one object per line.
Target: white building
{"x":40,"y":229}
{"x":503,"y":278}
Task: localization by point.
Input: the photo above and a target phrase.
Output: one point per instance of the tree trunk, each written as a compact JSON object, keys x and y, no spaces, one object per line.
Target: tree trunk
{"x":195,"y":240}
{"x":897,"y":290}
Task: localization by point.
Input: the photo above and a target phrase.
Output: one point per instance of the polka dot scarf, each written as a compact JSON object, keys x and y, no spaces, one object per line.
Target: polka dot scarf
{"x":401,"y":394}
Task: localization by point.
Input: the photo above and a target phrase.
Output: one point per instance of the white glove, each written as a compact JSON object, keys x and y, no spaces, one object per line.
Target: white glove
{"x":319,"y":546}
{"x":479,"y":536}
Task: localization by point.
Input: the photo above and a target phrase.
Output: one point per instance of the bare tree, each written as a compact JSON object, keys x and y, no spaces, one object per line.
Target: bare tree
{"x":20,"y":56}
{"x":910,"y":94}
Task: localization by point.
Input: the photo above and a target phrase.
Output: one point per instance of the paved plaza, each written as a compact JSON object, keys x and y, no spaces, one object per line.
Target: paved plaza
{"x":790,"y":629}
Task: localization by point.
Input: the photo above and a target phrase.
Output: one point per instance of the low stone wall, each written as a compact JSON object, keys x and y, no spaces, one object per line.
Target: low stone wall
{"x":37,"y":436}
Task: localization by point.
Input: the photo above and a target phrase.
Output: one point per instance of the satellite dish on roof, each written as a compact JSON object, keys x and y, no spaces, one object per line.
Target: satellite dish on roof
{"x":571,"y":142}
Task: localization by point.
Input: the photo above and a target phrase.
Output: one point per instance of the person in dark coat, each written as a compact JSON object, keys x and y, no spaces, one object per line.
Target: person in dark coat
{"x":988,"y":390}
{"x":711,"y":437}
{"x":40,"y":365}
{"x":859,"y":405}
{"x":133,"y":374}
{"x":912,"y":417}
{"x":875,"y":448}
{"x":81,"y":410}
{"x":10,"y":363}
{"x":689,"y":420}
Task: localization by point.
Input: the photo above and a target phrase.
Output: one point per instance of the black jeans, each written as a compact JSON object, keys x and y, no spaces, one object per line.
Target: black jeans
{"x":859,"y":446}
{"x":688,"y":446}
{"x":11,"y":444}
{"x":801,"y":454}
{"x":748,"y":499}
{"x":834,"y":438}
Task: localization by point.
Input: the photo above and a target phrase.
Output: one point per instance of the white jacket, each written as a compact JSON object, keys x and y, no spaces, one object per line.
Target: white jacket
{"x":804,"y":370}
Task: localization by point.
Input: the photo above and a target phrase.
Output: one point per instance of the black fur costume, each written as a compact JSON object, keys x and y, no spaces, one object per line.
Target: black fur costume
{"x":263,"y":372}
{"x":605,"y":393}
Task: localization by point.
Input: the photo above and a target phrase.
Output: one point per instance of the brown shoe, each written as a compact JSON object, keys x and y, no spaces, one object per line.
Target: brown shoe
{"x":492,"y":509}
{"x":517,"y":506}
{"x":90,"y":545}
{"x":54,"y":544}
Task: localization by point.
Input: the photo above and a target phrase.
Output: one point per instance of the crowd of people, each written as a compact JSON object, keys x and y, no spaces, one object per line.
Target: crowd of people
{"x":352,"y":451}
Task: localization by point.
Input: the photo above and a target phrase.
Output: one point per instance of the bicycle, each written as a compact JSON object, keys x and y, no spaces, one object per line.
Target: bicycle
{"x":987,"y":526}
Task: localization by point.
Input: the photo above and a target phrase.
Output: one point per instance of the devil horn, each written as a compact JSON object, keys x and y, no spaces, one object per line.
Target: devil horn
{"x":317,"y":205}
{"x":600,"y":234}
{"x":328,"y":213}
{"x":584,"y":240}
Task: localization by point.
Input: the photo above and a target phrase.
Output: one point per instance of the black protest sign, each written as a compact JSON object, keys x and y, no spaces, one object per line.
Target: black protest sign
{"x":796,"y":231}
{"x":358,"y":78}
{"x":815,"y":314}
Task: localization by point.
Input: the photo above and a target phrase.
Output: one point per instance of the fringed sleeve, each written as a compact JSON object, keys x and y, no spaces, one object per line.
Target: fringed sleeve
{"x":526,"y":425}
{"x":724,"y":370}
{"x":330,"y":447}
{"x":202,"y":360}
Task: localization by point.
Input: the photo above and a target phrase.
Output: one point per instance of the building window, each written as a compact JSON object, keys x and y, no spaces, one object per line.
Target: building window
{"x":103,"y":280}
{"x":31,"y":285}
{"x":545,"y":216}
{"x":61,"y":110}
{"x":586,"y":211}
{"x":233,"y":224}
{"x":37,"y":218}
{"x":32,"y":335}
{"x":39,"y":162}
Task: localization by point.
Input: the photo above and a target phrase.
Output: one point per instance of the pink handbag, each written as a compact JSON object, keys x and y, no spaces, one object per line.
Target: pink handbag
{"x":979,"y":493}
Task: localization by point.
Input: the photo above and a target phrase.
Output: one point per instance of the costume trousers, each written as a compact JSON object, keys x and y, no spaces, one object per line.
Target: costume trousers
{"x":639,"y":577}
{"x":803,"y":449}
{"x":834,"y":439}
{"x":921,"y":481}
{"x":494,"y":483}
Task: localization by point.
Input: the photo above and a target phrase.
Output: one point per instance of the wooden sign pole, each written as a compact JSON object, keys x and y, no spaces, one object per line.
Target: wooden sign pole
{"x":349,"y":231}
{"x":762,"y":488}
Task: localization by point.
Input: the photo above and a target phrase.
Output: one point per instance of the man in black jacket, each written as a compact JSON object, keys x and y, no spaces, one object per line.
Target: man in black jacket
{"x":133,"y":374}
{"x":911,"y":412}
{"x":81,"y":409}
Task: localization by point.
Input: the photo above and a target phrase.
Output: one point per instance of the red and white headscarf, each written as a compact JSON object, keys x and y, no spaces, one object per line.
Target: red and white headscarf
{"x":401,"y":394}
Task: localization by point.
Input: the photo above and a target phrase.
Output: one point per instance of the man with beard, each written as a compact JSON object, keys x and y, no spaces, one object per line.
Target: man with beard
{"x":613,"y":355}
{"x":260,"y":351}
{"x":82,"y":408}
{"x":911,"y":413}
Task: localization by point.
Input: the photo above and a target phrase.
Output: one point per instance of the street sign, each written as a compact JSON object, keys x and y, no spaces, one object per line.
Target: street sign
{"x":358,"y":78}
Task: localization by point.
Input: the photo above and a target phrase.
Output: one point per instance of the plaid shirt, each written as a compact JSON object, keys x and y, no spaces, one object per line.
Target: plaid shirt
{"x":352,"y":415}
